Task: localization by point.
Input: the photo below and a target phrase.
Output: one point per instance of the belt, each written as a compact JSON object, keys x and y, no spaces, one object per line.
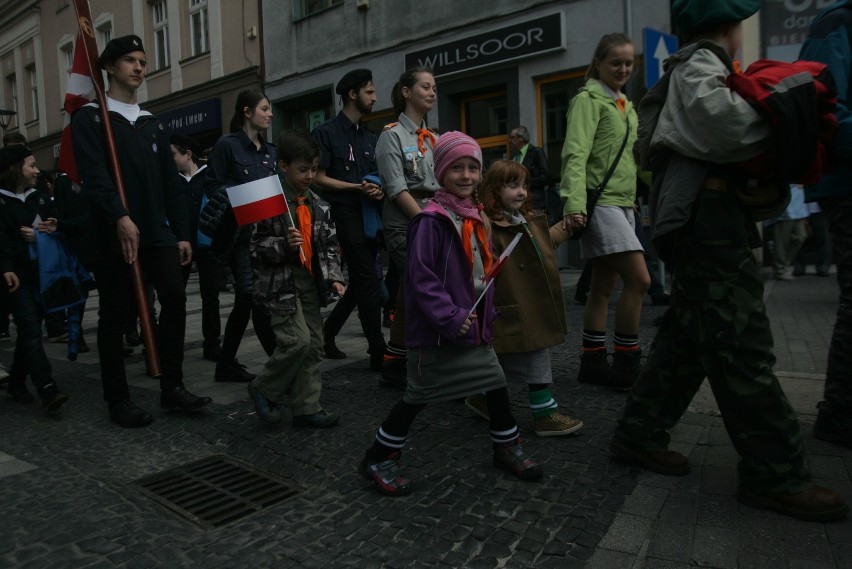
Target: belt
{"x":715,"y":184}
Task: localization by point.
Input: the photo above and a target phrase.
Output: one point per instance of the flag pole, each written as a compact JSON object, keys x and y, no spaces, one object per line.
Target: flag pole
{"x":293,"y":224}
{"x":475,"y":304}
{"x":84,"y":20}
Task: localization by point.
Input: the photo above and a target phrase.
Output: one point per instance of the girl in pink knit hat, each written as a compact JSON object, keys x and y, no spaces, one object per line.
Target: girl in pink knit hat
{"x":448,"y":334}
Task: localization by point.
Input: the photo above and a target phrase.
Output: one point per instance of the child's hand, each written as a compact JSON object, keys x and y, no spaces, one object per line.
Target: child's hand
{"x":372,"y":191}
{"x":338,"y":287}
{"x":294,"y":238}
{"x":468,"y":322}
{"x":573,"y":221}
{"x":48,"y":226}
{"x":28,"y":233}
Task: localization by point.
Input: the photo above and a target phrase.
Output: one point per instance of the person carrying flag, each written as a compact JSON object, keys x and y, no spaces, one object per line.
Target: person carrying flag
{"x":449,"y":319}
{"x":136,"y":233}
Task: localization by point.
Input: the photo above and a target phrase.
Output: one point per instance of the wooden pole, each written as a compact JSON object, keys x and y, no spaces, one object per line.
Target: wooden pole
{"x":84,"y":19}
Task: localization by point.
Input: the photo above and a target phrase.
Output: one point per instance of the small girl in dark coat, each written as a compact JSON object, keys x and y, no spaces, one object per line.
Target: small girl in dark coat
{"x":449,"y":343}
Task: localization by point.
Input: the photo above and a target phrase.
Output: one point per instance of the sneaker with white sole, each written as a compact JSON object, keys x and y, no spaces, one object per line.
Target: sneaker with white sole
{"x":556,"y":425}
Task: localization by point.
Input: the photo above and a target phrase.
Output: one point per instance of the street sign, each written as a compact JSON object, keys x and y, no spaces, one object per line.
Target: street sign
{"x":658,"y":46}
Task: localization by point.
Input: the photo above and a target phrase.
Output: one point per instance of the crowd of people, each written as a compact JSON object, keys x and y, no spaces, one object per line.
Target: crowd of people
{"x":478,"y":301}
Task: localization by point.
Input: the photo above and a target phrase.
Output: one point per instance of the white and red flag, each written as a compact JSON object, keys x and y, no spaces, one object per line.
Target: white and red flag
{"x":496,"y":267}
{"x":80,"y":89}
{"x":257,"y":200}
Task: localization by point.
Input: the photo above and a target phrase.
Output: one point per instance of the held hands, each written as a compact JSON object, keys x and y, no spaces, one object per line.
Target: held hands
{"x":128,"y":237}
{"x":12,"y":281}
{"x":338,"y":287}
{"x":468,"y":322}
{"x":573,"y":221}
{"x":48,"y":226}
{"x":294,"y":239}
{"x":372,"y":191}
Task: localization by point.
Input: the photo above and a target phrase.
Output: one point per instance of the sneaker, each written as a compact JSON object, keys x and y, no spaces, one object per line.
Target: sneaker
{"x":478,"y":404}
{"x":386,"y":474}
{"x":181,"y":399}
{"x":625,"y":369}
{"x":212,"y":352}
{"x":816,"y":504}
{"x":234,"y":372}
{"x":266,"y":410}
{"x":19,"y":393}
{"x":594,"y":367}
{"x":394,"y":372}
{"x":331,"y":350}
{"x":128,"y":415}
{"x":511,"y":457}
{"x":666,"y":462}
{"x":556,"y":424}
{"x":832,"y":427}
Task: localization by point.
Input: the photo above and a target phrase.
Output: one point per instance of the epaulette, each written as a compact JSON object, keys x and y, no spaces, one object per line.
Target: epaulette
{"x":389,"y":126}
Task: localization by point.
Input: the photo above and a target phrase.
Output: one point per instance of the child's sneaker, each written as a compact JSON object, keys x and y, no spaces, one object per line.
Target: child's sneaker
{"x":478,"y":404}
{"x":556,"y":424}
{"x":511,"y":456}
{"x":594,"y":367}
{"x":386,"y":474}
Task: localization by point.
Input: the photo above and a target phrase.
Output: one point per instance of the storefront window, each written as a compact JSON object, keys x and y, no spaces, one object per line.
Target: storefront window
{"x":555,"y":94}
{"x":485,"y":118}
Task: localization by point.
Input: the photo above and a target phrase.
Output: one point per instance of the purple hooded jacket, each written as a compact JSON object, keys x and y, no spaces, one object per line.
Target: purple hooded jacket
{"x":438,"y":287}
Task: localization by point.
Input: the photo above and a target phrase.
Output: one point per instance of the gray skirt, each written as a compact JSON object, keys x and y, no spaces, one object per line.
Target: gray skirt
{"x":611,"y":230}
{"x":450,"y":372}
{"x":527,"y":367}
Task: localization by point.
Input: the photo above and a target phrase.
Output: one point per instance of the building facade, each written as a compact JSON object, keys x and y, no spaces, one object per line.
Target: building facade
{"x":200,"y":54}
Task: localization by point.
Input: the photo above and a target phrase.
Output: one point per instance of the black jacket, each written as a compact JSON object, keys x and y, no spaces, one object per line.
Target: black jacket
{"x":14,"y":213}
{"x":155,"y":198}
{"x":536,"y":162}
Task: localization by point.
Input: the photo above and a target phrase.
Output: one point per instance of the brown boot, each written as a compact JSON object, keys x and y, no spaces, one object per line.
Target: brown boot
{"x":666,"y":462}
{"x":816,"y":504}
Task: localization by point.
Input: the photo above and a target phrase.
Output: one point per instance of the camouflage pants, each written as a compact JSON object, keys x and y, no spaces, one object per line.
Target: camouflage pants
{"x":838,"y":379}
{"x":717,"y":328}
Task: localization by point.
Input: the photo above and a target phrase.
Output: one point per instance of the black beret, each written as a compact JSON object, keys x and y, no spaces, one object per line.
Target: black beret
{"x":11,"y":154}
{"x":118,"y":47}
{"x":186,"y":142}
{"x":353,"y":80}
{"x":691,"y":16}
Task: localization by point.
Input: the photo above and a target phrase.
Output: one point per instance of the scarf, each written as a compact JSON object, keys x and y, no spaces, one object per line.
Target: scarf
{"x":472,"y":224}
{"x":422,"y":135}
{"x":303,"y":217}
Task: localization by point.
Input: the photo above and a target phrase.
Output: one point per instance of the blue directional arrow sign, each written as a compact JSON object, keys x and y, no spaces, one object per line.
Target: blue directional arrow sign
{"x":658,"y":46}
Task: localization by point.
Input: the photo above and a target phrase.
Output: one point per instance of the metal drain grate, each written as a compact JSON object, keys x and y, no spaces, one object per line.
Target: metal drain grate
{"x":217,"y":490}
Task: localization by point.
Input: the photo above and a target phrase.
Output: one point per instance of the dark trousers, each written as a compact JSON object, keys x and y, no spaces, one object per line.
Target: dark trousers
{"x":30,"y":357}
{"x":363,"y":286}
{"x":819,"y":242}
{"x":208,"y":286}
{"x":838,"y":377}
{"x":160,"y":267}
{"x":238,"y":319}
{"x":717,"y":328}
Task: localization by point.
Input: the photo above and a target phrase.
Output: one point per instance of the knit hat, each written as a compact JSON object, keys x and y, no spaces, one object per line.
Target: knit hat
{"x":691,"y":16}
{"x":452,"y":146}
{"x":118,"y":47}
{"x":11,"y":154}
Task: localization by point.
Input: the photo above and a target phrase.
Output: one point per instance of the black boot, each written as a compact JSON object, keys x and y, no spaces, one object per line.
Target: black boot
{"x":594,"y":367}
{"x":625,"y":369}
{"x":331,"y":350}
{"x":179,"y":398}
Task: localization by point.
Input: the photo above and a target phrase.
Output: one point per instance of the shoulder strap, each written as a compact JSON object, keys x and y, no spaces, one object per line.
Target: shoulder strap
{"x":600,"y":188}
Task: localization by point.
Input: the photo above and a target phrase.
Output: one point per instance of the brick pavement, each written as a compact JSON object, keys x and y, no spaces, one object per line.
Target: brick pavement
{"x":74,"y":507}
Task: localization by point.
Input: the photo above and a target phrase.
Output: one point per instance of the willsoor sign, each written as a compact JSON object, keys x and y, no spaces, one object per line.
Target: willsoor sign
{"x":517,"y":41}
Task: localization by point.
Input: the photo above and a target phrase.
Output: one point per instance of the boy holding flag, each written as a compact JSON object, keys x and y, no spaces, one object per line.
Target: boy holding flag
{"x":296,"y":266}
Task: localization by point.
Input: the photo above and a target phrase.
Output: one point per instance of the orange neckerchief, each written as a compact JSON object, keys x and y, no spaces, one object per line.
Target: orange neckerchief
{"x":303,"y":215}
{"x":621,"y":103}
{"x":469,"y":226}
{"x":422,"y":135}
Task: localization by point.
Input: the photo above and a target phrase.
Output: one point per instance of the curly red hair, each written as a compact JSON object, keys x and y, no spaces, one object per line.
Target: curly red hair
{"x":500,"y":173}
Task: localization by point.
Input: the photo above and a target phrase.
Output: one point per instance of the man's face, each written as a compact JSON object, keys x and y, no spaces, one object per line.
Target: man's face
{"x":515,"y":141}
{"x":365,"y":98}
{"x":128,"y":70}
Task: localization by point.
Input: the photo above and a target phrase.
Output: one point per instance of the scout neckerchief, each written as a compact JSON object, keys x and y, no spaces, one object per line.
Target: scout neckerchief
{"x":422,"y":135}
{"x":471,"y":224}
{"x":303,"y":215}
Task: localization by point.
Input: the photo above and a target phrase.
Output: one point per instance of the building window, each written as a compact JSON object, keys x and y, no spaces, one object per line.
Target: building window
{"x":161,"y":34}
{"x":198,"y":26}
{"x":554,"y":96}
{"x":304,"y":8}
{"x":66,"y":62}
{"x":104,"y":34}
{"x":12,"y":98}
{"x":32,"y":79}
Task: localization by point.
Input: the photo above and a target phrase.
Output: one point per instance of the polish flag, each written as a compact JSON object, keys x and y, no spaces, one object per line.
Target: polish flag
{"x":80,"y":91}
{"x":496,"y":267}
{"x":257,"y":200}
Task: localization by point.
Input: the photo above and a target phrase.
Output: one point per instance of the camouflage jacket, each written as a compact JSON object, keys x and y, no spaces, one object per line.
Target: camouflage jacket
{"x":272,"y":262}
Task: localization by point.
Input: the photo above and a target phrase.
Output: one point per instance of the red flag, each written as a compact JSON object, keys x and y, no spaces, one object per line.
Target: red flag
{"x":79,"y":93}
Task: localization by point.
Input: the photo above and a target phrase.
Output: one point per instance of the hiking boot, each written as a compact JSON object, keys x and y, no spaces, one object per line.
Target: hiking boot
{"x":478,"y":404}
{"x":18,"y":392}
{"x":234,"y":372}
{"x":331,"y":350}
{"x":666,"y":462}
{"x":556,"y":424}
{"x":385,"y":473}
{"x":511,"y":456}
{"x":594,"y":367}
{"x":128,"y":415}
{"x":181,"y":399}
{"x":816,"y":504}
{"x":625,"y":369}
{"x":266,"y":410}
{"x":832,"y":426}
{"x":394,"y":372}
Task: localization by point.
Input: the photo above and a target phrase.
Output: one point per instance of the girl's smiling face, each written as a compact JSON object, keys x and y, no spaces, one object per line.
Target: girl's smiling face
{"x":463,"y":177}
{"x":513,"y":195}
